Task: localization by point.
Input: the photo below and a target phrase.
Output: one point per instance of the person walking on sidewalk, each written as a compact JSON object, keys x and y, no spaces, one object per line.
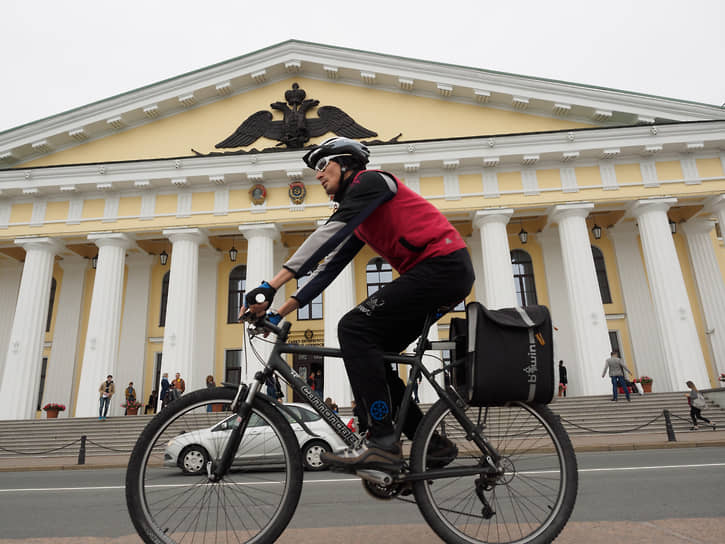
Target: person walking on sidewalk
{"x":563,"y":380}
{"x":697,"y":402}
{"x":616,"y":372}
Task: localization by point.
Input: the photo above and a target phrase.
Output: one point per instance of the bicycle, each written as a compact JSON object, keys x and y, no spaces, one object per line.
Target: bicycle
{"x":513,"y":479}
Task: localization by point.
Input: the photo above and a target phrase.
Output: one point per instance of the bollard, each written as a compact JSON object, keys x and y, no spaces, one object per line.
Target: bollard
{"x":668,"y":426}
{"x":82,"y":452}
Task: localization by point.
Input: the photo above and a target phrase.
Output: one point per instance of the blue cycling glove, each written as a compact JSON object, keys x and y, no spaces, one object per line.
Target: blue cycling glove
{"x":264,"y":293}
{"x":273,"y":317}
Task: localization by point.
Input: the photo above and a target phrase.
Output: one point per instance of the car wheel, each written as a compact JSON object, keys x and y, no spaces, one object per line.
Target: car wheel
{"x":192,"y":460}
{"x":311,"y":455}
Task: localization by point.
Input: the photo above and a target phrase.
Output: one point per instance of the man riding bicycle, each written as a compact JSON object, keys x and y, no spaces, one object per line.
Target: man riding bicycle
{"x":435,"y":269}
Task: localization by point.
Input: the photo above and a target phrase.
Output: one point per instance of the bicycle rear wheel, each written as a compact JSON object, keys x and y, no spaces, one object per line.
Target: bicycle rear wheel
{"x":528,"y":502}
{"x":169,"y":496}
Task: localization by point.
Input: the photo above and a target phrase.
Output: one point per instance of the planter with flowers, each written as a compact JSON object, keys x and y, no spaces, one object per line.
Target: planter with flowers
{"x":646,"y":382}
{"x":722,"y":377}
{"x":132,"y":407}
{"x":52,"y":409}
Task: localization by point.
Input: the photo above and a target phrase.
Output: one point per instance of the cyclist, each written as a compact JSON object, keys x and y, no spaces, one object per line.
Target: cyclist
{"x":435,"y":271}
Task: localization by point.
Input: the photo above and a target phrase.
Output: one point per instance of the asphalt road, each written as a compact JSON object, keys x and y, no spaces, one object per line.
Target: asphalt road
{"x":638,"y":486}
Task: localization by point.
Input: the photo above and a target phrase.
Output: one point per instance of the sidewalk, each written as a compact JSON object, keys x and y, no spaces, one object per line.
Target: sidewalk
{"x":582,"y":443}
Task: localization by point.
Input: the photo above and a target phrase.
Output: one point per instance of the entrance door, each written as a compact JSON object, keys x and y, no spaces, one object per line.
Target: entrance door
{"x":157,"y":376}
{"x":304,"y":365}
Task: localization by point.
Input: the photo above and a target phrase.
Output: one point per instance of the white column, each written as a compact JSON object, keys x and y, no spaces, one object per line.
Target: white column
{"x":339,"y":298}
{"x":132,"y":349}
{"x":645,"y":339}
{"x":589,"y":325}
{"x":683,"y":359}
{"x":100,"y":354}
{"x":180,"y":328}
{"x":498,"y":279}
{"x":717,"y":206}
{"x":64,"y":355}
{"x":206,"y":315}
{"x":710,"y":286}
{"x":559,"y":306}
{"x":21,"y":375}
{"x":260,"y":267}
{"x":10,"y":273}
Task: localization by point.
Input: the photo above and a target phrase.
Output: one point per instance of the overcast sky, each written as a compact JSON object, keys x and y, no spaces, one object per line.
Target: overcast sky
{"x":58,"y":55}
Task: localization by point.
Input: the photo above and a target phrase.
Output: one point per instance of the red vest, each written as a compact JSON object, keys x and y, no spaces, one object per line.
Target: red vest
{"x":408,"y":229}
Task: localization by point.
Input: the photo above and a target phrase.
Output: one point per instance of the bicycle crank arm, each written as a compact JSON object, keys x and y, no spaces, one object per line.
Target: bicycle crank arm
{"x":376,"y":476}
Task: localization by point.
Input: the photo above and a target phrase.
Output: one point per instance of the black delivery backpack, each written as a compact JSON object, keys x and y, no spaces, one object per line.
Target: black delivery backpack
{"x":503,"y":355}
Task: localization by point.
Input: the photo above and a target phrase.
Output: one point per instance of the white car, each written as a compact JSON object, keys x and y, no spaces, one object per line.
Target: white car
{"x":260,"y":447}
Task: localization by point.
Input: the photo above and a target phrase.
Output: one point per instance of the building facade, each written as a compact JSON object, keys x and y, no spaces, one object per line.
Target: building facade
{"x":127,"y":238}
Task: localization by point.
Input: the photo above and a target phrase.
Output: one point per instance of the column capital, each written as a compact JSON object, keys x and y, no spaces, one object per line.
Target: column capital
{"x":139,"y":259}
{"x":114,"y":239}
{"x":560,"y":211}
{"x":489,"y":215}
{"x":716,"y":204}
{"x":39,"y":242}
{"x":266,"y":230}
{"x":638,"y":207}
{"x":197,"y":236}
{"x":698,"y":225}
{"x":623,"y":230}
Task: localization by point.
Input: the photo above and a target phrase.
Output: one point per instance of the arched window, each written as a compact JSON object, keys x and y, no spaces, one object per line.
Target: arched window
{"x":314,"y":309}
{"x":378,"y":273}
{"x":164,"y":299}
{"x":523,"y":270}
{"x":237,"y":285}
{"x":51,"y":303}
{"x":601,"y":269}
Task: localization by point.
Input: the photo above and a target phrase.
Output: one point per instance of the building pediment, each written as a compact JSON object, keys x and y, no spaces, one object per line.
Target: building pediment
{"x":370,"y":85}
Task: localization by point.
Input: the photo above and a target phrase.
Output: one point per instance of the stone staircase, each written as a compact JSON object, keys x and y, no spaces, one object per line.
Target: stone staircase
{"x":581,"y":416}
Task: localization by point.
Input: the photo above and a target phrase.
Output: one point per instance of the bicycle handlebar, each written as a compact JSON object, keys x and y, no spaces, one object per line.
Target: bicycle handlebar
{"x":260,"y":323}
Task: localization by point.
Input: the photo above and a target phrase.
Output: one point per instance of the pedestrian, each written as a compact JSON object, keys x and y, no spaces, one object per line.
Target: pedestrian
{"x":210,"y":384}
{"x":563,"y":380}
{"x":697,"y":402}
{"x":165,"y":386}
{"x":130,"y":394}
{"x":107,"y":389}
{"x":416,"y":383}
{"x":179,"y":385}
{"x":616,"y":372}
{"x":152,"y":403}
{"x":319,"y":384}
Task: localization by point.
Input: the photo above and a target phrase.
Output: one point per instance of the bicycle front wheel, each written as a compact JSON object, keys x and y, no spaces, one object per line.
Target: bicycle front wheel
{"x":169,"y":495}
{"x":528,"y":501}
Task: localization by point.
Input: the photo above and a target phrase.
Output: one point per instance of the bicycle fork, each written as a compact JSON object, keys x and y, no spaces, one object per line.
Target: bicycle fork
{"x":216,"y":472}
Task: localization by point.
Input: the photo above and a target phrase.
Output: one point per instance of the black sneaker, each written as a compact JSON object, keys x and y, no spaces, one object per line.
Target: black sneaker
{"x":368,"y":456}
{"x":441,"y":451}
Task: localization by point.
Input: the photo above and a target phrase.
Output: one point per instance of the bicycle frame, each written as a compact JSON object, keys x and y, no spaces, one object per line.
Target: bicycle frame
{"x":276,"y":363}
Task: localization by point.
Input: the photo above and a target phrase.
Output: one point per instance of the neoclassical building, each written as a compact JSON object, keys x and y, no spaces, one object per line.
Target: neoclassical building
{"x":127,"y":238}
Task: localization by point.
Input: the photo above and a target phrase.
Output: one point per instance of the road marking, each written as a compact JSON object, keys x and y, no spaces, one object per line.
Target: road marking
{"x":346,"y":480}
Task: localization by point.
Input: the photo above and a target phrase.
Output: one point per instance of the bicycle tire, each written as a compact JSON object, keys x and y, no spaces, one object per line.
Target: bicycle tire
{"x":167,"y":506}
{"x":532,"y":500}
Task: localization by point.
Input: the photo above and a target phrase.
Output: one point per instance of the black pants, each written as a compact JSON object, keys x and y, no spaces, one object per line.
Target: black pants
{"x":696,"y":414}
{"x":388,"y":321}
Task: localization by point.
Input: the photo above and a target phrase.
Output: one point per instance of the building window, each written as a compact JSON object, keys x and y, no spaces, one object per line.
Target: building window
{"x":601,"y":275}
{"x":314,"y":309}
{"x":164,"y":299}
{"x":233,"y":366}
{"x":237,"y":285}
{"x":614,"y":342}
{"x":53,"y":285}
{"x":523,"y":270}
{"x":378,"y":273}
{"x":41,"y":388}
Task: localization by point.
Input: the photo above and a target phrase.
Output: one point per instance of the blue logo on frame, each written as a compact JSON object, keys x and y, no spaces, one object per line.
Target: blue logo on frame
{"x":379,"y":410}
